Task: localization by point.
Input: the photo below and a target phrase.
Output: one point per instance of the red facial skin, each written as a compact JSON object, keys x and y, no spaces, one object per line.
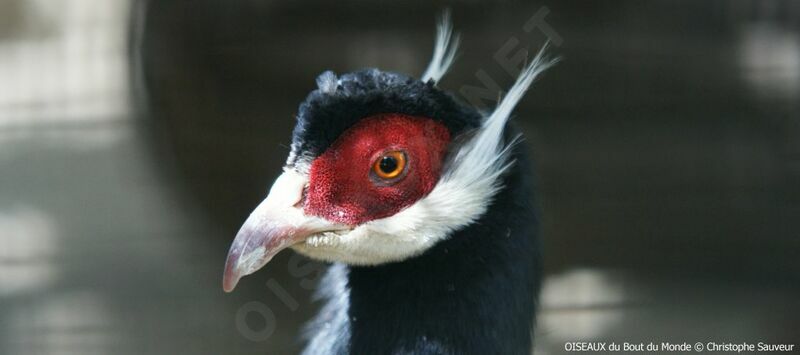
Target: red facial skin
{"x":344,"y":189}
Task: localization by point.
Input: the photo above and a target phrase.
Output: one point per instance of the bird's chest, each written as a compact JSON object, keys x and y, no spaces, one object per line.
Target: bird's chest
{"x":440,"y":318}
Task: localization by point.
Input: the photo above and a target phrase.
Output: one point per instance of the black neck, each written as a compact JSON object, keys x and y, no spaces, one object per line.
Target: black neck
{"x":474,"y":293}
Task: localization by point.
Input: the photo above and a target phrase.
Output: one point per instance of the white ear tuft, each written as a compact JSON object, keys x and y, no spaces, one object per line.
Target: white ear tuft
{"x":486,"y":148}
{"x":444,"y":52}
{"x":473,"y":175}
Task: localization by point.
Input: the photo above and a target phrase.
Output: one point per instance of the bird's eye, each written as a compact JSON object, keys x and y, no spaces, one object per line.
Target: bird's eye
{"x":390,"y":165}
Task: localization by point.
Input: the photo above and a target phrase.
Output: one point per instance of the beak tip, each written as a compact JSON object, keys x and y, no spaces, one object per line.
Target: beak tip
{"x":231,"y":276}
{"x":227,"y":288}
{"x":229,"y":281}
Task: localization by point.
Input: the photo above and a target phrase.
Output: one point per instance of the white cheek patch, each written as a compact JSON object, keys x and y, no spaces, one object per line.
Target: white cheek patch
{"x":461,"y":196}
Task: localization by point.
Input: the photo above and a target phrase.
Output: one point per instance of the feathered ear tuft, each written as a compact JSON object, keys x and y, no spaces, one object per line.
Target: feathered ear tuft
{"x":479,"y":163}
{"x":485,"y":152}
{"x":488,"y":143}
{"x":444,"y":51}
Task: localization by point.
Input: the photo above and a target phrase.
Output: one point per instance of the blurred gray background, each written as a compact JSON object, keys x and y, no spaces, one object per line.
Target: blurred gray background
{"x":135,"y":137}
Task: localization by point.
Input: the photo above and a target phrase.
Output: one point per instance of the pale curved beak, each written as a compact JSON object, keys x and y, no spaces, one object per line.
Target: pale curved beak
{"x":274,"y":225}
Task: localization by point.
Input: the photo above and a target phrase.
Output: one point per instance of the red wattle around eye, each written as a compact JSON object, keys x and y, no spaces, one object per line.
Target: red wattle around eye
{"x":342,"y":186}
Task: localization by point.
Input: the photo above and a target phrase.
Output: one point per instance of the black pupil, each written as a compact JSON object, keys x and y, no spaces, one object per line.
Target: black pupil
{"x":388,"y":164}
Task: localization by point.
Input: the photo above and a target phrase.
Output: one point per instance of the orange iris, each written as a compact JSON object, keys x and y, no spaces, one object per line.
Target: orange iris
{"x":390,"y":165}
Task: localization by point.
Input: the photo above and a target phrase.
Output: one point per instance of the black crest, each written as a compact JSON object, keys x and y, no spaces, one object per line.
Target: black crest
{"x":339,"y":103}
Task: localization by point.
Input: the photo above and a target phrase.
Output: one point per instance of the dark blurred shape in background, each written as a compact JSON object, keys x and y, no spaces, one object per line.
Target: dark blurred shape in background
{"x":135,"y":137}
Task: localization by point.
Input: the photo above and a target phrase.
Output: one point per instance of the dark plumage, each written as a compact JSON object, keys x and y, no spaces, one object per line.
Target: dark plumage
{"x":436,"y":253}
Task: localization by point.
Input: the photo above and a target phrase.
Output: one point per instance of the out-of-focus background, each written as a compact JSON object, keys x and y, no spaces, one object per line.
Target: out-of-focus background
{"x":135,"y":137}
